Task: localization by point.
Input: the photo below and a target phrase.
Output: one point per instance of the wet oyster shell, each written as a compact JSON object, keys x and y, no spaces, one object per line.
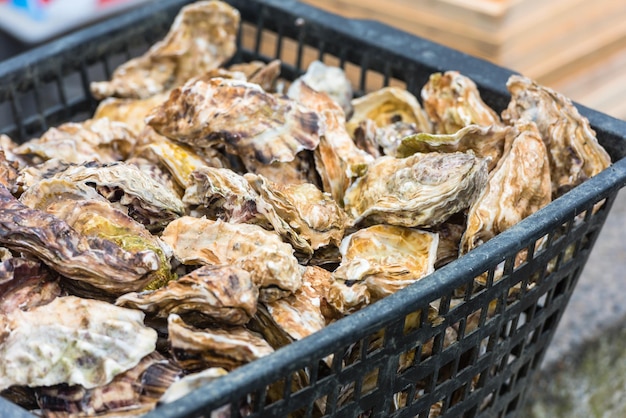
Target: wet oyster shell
{"x":387,"y":106}
{"x":573,"y":149}
{"x":25,"y":284}
{"x":201,"y":38}
{"x":45,"y":346}
{"x":387,"y":258}
{"x":485,"y":141}
{"x":270,"y":262}
{"x":420,"y":190}
{"x":453,"y":101}
{"x":519,"y":186}
{"x":260,"y":127}
{"x":196,"y":349}
{"x":224,"y":294}
{"x":99,"y":140}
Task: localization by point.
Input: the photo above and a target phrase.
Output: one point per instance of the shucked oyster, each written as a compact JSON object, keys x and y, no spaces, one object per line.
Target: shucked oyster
{"x":420,"y":190}
{"x":453,"y":101}
{"x":260,"y":127}
{"x":269,"y":261}
{"x":96,"y":262}
{"x":573,"y":149}
{"x":73,"y":341}
{"x":224,"y":294}
{"x":201,"y":38}
{"x":387,"y":258}
{"x":517,"y":187}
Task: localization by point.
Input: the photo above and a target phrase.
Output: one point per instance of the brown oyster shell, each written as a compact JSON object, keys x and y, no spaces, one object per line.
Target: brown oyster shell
{"x":8,"y":170}
{"x":195,"y":349}
{"x":261,"y":128}
{"x":573,"y":149}
{"x":45,"y":346}
{"x":517,"y":187}
{"x":387,"y":258}
{"x":25,"y":284}
{"x":270,"y":262}
{"x":99,"y":140}
{"x":224,"y":294}
{"x":378,"y":141}
{"x":201,"y":38}
{"x":453,"y":101}
{"x":420,"y":190}
{"x":484,"y":141}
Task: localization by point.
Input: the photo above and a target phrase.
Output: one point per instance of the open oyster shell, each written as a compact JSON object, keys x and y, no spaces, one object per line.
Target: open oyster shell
{"x":224,"y":294}
{"x":517,"y":187}
{"x":45,"y":346}
{"x":26,"y":283}
{"x":196,"y":349}
{"x":420,"y":190}
{"x":573,"y":149}
{"x":387,"y":258}
{"x":93,"y":140}
{"x":270,"y":262}
{"x":201,"y":38}
{"x":453,"y":101}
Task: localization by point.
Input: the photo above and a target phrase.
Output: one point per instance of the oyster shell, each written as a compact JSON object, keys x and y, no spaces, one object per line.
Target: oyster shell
{"x":260,"y":127}
{"x":93,"y":261}
{"x":8,"y":170}
{"x":196,"y":349}
{"x":25,"y":284}
{"x":99,"y":140}
{"x":387,"y":258}
{"x":420,"y":190}
{"x":265,"y":75}
{"x":132,"y":112}
{"x":201,"y":38}
{"x":191,"y":382}
{"x":45,"y":346}
{"x":347,"y":297}
{"x":517,"y":187}
{"x":485,"y":141}
{"x":43,"y":193}
{"x":326,"y":79}
{"x":31,"y":175}
{"x":378,"y":141}
{"x":269,"y":261}
{"x":453,"y":101}
{"x":387,"y":106}
{"x":223,"y":294}
{"x":573,"y":149}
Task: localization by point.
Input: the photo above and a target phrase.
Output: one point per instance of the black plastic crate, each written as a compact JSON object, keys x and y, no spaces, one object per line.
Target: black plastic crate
{"x":396,"y":367}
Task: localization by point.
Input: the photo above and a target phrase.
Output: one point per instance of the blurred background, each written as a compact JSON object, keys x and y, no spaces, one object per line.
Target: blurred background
{"x":577,"y":47}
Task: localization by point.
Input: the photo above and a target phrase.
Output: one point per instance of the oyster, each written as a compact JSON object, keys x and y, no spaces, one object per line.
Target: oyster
{"x":43,"y":193}
{"x":265,"y":75}
{"x":8,"y":170}
{"x":485,"y":141}
{"x":517,"y":187}
{"x":45,"y":346}
{"x":378,"y":141}
{"x":93,"y":140}
{"x":93,"y":261}
{"x":195,"y":349}
{"x":420,"y":190}
{"x":191,"y":382}
{"x":31,"y":175}
{"x":269,"y":261}
{"x":453,"y":101}
{"x":327,"y":79}
{"x":133,"y":392}
{"x":573,"y":149}
{"x":223,"y":294}
{"x":387,"y":106}
{"x":132,"y":112}
{"x":25,"y":284}
{"x":201,"y":38}
{"x":259,"y":127}
{"x":346,"y":297}
{"x":387,"y":258}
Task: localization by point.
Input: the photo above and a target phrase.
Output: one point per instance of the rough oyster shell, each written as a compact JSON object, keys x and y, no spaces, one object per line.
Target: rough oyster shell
{"x":269,"y":261}
{"x":573,"y":149}
{"x":201,"y":38}
{"x":43,"y":193}
{"x":93,"y":140}
{"x":132,"y":112}
{"x":387,"y":258}
{"x":517,"y":187}
{"x":45,"y":346}
{"x":31,"y":175}
{"x":453,"y":101}
{"x":8,"y":170}
{"x":420,"y":190}
{"x":25,"y":284}
{"x":223,"y":294}
{"x":195,"y":349}
{"x":387,"y":106}
{"x":485,"y":141}
{"x":260,"y":127}
{"x":378,"y":141}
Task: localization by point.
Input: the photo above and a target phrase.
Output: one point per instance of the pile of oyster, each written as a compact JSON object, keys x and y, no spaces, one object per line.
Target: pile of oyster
{"x":209,"y":214}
